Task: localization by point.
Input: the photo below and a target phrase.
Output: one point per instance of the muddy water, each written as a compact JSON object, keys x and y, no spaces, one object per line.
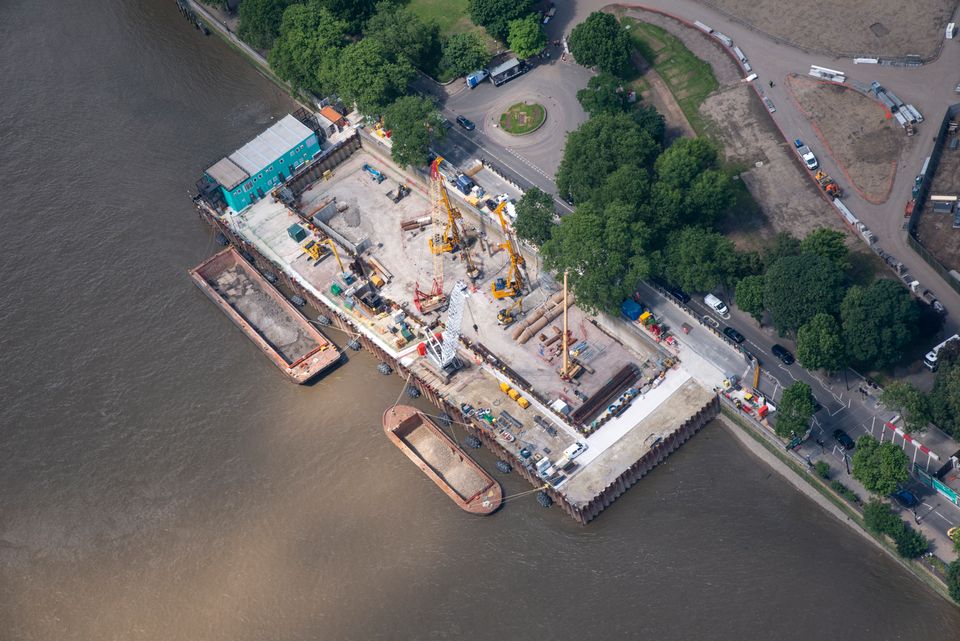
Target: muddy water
{"x":159,"y":479}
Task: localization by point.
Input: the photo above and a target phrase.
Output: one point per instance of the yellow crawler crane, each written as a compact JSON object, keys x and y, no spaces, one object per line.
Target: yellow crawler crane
{"x":512,"y":285}
{"x":451,"y":238}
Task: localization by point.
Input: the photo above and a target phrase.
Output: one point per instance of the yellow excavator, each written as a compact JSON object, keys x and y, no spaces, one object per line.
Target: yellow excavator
{"x":512,"y":285}
{"x":509,"y":315}
{"x":314,"y":249}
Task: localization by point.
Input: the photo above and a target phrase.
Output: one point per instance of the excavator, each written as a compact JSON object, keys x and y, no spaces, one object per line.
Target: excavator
{"x":512,"y":285}
{"x":451,"y":239}
{"x":509,"y":315}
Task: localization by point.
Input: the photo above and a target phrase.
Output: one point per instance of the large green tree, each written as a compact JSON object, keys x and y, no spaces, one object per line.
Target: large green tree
{"x":784,"y":244}
{"x":830,"y":244}
{"x":414,"y":123}
{"x":945,"y":397}
{"x":798,"y":287}
{"x":355,"y":12}
{"x":604,"y":94}
{"x":599,"y":147}
{"x":699,"y":260}
{"x":495,"y":15}
{"x":819,"y":344}
{"x":685,"y":160}
{"x":535,"y":214}
{"x":953,"y":580}
{"x":526,"y":37}
{"x":371,"y":77}
{"x":404,"y":33}
{"x":307,"y":51}
{"x":687,"y":172}
{"x":749,"y":296}
{"x":605,"y":252}
{"x":878,"y":322}
{"x":910,"y":402}
{"x":600,"y":41}
{"x":260,"y":21}
{"x":881,"y":467}
{"x":795,"y":410}
{"x":463,"y":53}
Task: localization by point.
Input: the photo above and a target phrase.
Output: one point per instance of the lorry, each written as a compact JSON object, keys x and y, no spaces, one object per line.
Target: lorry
{"x":476,"y":78}
{"x":828,"y":184}
{"x":806,"y":155}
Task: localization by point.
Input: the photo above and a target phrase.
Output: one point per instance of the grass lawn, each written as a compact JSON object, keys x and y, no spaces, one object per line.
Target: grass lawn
{"x":522,"y":118}
{"x":689,"y":78}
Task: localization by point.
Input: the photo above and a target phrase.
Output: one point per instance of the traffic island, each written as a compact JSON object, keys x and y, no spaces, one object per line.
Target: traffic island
{"x":523,"y":118}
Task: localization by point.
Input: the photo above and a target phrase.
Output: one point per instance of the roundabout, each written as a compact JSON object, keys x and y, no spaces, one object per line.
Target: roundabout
{"x":523,"y":118}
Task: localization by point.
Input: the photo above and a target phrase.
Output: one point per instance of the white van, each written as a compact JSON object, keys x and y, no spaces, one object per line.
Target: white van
{"x":716,"y":305}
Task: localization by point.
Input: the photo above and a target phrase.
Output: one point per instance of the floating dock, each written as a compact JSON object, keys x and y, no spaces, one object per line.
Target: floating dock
{"x":437,"y":456}
{"x":265,"y":316}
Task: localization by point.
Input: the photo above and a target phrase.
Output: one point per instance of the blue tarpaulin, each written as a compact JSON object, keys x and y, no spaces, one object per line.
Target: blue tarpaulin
{"x":631,"y":309}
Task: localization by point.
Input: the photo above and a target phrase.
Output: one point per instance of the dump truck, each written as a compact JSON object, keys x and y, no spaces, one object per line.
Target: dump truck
{"x":828,"y":184}
{"x":806,"y":155}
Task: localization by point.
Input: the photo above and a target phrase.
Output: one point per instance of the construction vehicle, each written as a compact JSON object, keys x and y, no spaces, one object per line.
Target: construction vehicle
{"x":451,"y":238}
{"x":512,"y":285}
{"x":374,"y":173}
{"x":315,"y":249}
{"x":434,"y":298}
{"x":443,"y":353}
{"x":828,"y":184}
{"x":509,"y":315}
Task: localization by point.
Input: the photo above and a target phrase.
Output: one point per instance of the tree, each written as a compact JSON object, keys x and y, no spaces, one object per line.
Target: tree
{"x":783,"y":245}
{"x":881,"y":467}
{"x":910,"y":543}
{"x":685,"y":160}
{"x":945,"y":397}
{"x":535,"y":214}
{"x":910,"y":402}
{"x":600,"y":41}
{"x":603,"y":95}
{"x":798,"y":287}
{"x":463,"y":53}
{"x":699,"y":260}
{"x":829,"y":243}
{"x":370,"y":77}
{"x":878,"y":322}
{"x":307,"y":51}
{"x":597,"y":148}
{"x":355,"y":12}
{"x":880,"y":519}
{"x":795,"y":410}
{"x":415,"y":123}
{"x":605,"y":252}
{"x":651,"y":121}
{"x":749,"y":296}
{"x":819,"y":344}
{"x":526,"y":37}
{"x":708,"y":198}
{"x":495,"y":15}
{"x":260,"y":21}
{"x":953,"y":580}
{"x":404,"y":33}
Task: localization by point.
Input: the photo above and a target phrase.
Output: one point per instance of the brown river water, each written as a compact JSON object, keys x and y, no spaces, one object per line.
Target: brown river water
{"x":159,"y":479}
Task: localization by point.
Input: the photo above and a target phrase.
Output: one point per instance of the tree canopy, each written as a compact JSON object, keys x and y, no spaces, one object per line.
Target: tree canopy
{"x":605,"y":251}
{"x":414,"y":122}
{"x":830,"y":244}
{"x":910,"y":402}
{"x":600,"y":41}
{"x":795,"y":410}
{"x":878,"y":322}
{"x":953,"y":580}
{"x":603,"y":95}
{"x":525,"y":36}
{"x":535,"y":215}
{"x":371,"y":77}
{"x":463,"y":53}
{"x":355,"y":12}
{"x":881,"y":467}
{"x":749,"y":296}
{"x":307,"y":51}
{"x":820,"y":345}
{"x":945,"y":397}
{"x":699,"y":260}
{"x":260,"y":21}
{"x":784,"y":244}
{"x":798,"y":287}
{"x":495,"y":15}
{"x":404,"y":33}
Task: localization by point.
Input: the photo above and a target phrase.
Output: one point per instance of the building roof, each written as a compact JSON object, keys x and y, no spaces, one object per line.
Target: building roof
{"x":505,"y":66}
{"x":226,"y":172}
{"x":331,"y":114}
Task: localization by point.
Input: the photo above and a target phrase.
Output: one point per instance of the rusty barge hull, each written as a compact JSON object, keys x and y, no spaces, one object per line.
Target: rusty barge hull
{"x":442,"y":461}
{"x":268,"y":319}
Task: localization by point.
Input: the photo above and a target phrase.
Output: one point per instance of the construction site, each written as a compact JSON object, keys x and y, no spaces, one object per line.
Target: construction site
{"x":426,"y":272}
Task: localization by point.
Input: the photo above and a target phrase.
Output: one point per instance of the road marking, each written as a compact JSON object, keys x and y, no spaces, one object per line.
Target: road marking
{"x":528,"y":163}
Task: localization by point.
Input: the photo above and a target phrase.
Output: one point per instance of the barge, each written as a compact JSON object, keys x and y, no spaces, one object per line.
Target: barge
{"x":265,"y":316}
{"x":437,"y":456}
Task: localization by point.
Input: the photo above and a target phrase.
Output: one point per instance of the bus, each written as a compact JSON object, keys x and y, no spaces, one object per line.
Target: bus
{"x":930,"y":360}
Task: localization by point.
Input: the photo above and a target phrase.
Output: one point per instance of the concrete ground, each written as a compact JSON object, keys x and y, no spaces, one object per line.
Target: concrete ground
{"x":936,"y":231}
{"x":859,"y":132}
{"x":847,"y":27}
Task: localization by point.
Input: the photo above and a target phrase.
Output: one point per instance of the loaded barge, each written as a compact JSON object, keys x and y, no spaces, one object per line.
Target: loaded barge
{"x":437,"y":456}
{"x":265,"y":316}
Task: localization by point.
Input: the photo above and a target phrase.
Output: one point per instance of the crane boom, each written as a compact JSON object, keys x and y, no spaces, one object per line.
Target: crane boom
{"x":513,"y":284}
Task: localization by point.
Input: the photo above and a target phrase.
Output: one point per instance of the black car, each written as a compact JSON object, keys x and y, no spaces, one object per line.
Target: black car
{"x":679,"y":294}
{"x":733,"y":335}
{"x":465,"y":123}
{"x":844,"y":439}
{"x":783,"y":354}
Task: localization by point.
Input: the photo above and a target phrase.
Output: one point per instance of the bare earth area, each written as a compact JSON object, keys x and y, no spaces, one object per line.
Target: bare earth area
{"x":788,"y":199}
{"x":849,"y":28}
{"x":858,"y":131}
{"x":936,"y":231}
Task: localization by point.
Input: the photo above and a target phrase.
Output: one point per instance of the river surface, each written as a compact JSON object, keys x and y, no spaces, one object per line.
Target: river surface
{"x":159,"y":479}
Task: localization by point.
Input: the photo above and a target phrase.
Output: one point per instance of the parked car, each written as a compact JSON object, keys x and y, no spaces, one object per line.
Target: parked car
{"x":466,"y":123}
{"x":906,"y":498}
{"x":783,"y":354}
{"x":733,"y":335}
{"x":678,"y":293}
{"x":844,"y":439}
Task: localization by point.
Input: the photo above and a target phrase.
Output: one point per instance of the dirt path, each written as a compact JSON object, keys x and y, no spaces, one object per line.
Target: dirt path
{"x":660,"y":97}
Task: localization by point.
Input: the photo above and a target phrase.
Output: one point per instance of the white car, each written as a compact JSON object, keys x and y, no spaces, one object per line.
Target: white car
{"x":575,"y":450}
